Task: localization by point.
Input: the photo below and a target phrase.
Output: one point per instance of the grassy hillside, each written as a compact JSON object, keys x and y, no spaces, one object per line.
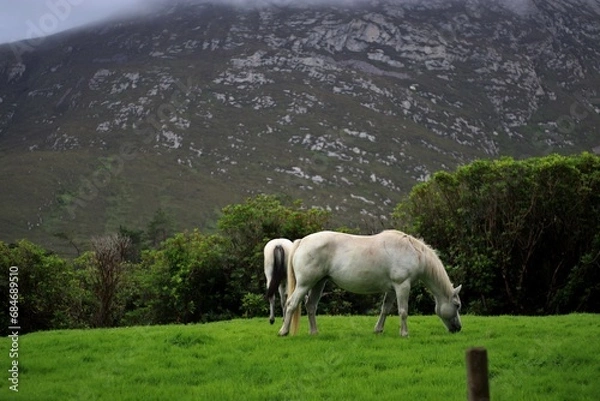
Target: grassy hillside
{"x":541,"y":358}
{"x":127,"y":196}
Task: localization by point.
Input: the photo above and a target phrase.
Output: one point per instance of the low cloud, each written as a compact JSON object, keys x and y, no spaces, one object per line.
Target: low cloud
{"x":21,"y":20}
{"x":26,"y":20}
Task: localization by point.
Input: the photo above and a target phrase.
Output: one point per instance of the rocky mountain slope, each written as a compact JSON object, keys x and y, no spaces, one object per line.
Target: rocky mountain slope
{"x":196,"y":105}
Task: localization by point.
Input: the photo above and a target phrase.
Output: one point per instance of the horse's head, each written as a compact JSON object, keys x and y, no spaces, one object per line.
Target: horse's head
{"x":447,"y":309}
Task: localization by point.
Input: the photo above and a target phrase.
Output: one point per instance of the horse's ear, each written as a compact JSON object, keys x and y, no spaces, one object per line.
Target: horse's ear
{"x":457,"y":289}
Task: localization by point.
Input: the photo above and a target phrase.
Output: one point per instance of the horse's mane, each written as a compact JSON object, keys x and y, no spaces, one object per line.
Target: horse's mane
{"x":434,"y":270}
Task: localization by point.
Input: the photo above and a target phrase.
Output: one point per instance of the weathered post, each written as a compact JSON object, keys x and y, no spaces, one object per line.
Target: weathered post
{"x":478,"y":388}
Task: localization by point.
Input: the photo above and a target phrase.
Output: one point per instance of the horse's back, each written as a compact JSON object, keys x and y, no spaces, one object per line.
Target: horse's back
{"x":357,"y":263}
{"x":336,"y":242}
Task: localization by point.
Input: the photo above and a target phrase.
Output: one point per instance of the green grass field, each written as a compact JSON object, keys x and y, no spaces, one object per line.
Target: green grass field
{"x":530,"y":358}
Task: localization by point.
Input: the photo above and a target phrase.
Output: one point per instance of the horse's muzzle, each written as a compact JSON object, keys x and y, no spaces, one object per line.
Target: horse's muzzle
{"x":455,"y":329}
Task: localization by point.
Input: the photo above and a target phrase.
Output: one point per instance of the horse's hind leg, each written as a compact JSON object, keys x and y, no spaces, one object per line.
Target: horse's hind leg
{"x":272,"y":309}
{"x":311,"y":304}
{"x":291,"y":304}
{"x":388,"y":301}
{"x":282,"y":297}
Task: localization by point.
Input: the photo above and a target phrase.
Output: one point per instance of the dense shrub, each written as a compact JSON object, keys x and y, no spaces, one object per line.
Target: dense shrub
{"x":250,"y":225}
{"x":522,"y":236}
{"x":194,"y":277}
{"x":184,"y":281}
{"x":49,"y":296}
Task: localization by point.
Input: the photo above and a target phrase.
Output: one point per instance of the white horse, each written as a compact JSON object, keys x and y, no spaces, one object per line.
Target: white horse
{"x":388,"y":262}
{"x":276,"y":253}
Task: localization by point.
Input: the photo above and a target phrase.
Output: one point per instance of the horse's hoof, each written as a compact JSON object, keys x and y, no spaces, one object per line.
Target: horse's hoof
{"x":271,"y":321}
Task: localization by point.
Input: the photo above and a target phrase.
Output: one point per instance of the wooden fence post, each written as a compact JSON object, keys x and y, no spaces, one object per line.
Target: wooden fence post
{"x":478,"y":388}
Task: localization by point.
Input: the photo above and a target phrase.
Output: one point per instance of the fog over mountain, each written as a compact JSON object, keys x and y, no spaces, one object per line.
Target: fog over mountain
{"x":37,"y":18}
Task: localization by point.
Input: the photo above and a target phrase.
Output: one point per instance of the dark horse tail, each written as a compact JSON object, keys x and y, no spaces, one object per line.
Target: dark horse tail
{"x":279,"y":270}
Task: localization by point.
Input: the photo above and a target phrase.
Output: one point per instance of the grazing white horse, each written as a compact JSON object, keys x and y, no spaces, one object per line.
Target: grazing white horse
{"x":276,"y":253}
{"x":388,"y":263}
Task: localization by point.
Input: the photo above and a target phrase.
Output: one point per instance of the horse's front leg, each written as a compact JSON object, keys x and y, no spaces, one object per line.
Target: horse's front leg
{"x":386,"y":307}
{"x":311,"y":304}
{"x":402,"y":292}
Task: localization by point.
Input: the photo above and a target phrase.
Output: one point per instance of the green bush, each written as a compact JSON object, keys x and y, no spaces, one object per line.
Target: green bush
{"x":250,"y":225}
{"x":49,"y":294}
{"x":254,"y":305}
{"x":185,"y":281}
{"x":522,"y":236}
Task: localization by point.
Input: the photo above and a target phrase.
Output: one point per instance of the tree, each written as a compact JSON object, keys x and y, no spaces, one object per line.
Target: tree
{"x":196,"y":277}
{"x":519,"y":234}
{"x":69,"y":239}
{"x":250,"y":225}
{"x":159,"y":228}
{"x":48,"y":292}
{"x":136,"y":239}
{"x":187,"y":280}
{"x":107,"y":275}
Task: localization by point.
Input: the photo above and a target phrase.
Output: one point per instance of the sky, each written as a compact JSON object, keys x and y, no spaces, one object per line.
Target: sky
{"x":28,"y":19}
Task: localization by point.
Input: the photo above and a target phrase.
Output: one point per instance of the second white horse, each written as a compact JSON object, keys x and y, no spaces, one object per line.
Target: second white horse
{"x":276,"y":254}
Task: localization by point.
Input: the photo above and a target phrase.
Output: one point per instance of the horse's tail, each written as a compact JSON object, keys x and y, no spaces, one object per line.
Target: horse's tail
{"x":279,"y":267}
{"x":291,"y":286}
